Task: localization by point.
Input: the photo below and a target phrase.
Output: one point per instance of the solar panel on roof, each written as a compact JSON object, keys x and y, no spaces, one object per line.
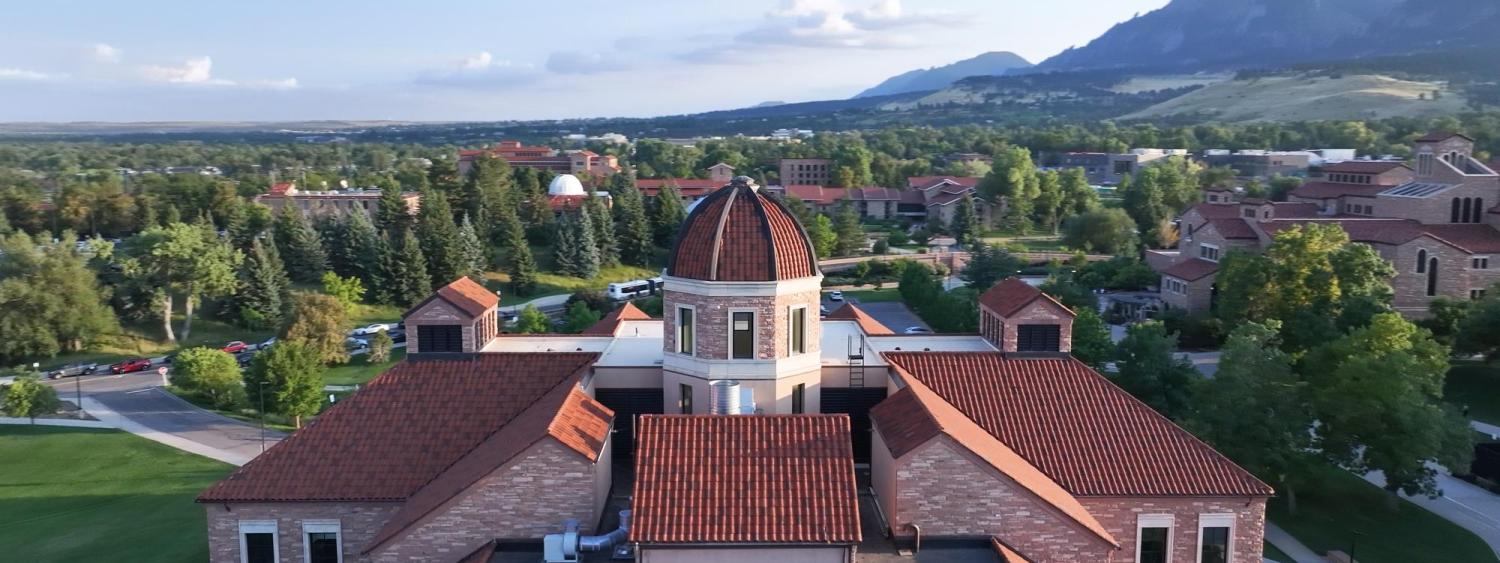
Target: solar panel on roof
{"x":1416,"y":189}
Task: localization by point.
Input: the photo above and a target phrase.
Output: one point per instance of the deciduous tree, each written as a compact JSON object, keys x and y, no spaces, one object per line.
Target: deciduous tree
{"x":28,"y":397}
{"x":1151,"y":371}
{"x":321,"y":323}
{"x":533,"y":321}
{"x":290,"y":377}
{"x":211,"y":374}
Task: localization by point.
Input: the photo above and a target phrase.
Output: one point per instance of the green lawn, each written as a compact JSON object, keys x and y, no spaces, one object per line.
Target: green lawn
{"x":88,"y":495}
{"x":873,"y":295}
{"x":1329,"y":514}
{"x":148,"y":340}
{"x":1276,"y":555}
{"x":553,"y":284}
{"x":1476,"y":385}
{"x":359,"y":370}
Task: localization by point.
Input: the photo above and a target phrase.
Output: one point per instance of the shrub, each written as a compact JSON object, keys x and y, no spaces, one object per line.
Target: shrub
{"x":28,"y":397}
{"x":211,"y":374}
{"x":1194,"y":331}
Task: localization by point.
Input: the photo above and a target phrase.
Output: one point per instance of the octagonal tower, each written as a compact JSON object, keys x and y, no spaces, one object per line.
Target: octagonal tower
{"x":740,"y":302}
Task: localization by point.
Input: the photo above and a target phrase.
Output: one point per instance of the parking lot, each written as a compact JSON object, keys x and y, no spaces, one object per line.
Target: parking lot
{"x":893,"y":314}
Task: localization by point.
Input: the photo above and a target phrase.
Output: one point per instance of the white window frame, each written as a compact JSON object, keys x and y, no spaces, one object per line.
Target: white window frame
{"x":729,"y":333}
{"x":1215,"y":521}
{"x":1218,"y":252}
{"x":791,"y":336}
{"x":1485,"y":258}
{"x":677,"y":325}
{"x":259,"y":527}
{"x":322,"y":527}
{"x":1144,"y":521}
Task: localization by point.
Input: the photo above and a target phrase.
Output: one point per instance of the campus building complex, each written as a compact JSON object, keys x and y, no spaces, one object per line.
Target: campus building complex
{"x":574,"y":162}
{"x":741,"y":426}
{"x":1437,"y":221}
{"x":330,"y":202}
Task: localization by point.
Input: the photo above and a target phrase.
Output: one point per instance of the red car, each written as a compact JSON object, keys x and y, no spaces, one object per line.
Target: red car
{"x":235,"y":347}
{"x":128,"y":366}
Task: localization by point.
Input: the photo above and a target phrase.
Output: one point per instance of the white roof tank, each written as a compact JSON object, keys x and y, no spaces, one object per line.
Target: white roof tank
{"x":565,"y":184}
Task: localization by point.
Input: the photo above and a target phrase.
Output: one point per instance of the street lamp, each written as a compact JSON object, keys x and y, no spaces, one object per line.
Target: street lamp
{"x":260,"y":388}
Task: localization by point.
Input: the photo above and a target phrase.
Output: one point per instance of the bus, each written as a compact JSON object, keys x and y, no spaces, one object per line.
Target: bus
{"x":633,"y":289}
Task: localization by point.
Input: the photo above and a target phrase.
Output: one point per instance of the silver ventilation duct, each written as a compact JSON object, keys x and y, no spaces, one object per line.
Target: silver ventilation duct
{"x":567,"y":546}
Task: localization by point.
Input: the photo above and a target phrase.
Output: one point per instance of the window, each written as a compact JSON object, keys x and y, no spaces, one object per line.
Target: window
{"x":1432,"y":276}
{"x":799,"y":398}
{"x":324,"y":542}
{"x":685,"y":330}
{"x":1476,"y":294}
{"x":1153,"y":538}
{"x":440,"y":338}
{"x":1208,"y":252}
{"x":1248,"y":213}
{"x":1480,"y":262}
{"x":685,"y":398}
{"x":1038,"y":338}
{"x":1453,"y":214}
{"x":1422,"y":261}
{"x":1478,"y":216}
{"x":798,"y":344}
{"x":258,"y":542}
{"x":1215,"y":533}
{"x":742,"y":335}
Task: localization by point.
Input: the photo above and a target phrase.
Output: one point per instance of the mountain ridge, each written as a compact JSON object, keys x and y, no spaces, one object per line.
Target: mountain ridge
{"x":993,"y":63}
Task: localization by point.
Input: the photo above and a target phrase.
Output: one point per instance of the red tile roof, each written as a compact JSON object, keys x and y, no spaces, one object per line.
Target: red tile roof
{"x":867,"y":323}
{"x":1090,"y":436}
{"x":916,"y":415}
{"x":1478,"y":239}
{"x":1327,"y":190}
{"x":564,"y":414}
{"x":927,"y":182}
{"x":282,"y":188}
{"x":1217,"y":210}
{"x":464,"y":293}
{"x":1364,"y":166}
{"x":379,"y":444}
{"x":739,"y":234}
{"x":1233,"y":229}
{"x":611,"y":322}
{"x":1191,"y":270}
{"x":1469,"y":238}
{"x":708,"y":479}
{"x":1007,"y":553}
{"x":817,"y":195}
{"x":1009,"y":296}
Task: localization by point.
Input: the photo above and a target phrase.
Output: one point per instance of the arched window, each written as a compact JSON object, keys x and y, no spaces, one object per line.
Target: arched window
{"x":1453,"y":217}
{"x":1478,"y":210}
{"x":1422,"y":261}
{"x":1468,"y":210}
{"x":1432,"y":276}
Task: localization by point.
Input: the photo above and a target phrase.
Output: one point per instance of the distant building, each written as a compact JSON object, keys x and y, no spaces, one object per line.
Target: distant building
{"x":690,"y":189}
{"x":1436,"y":223}
{"x":567,"y":193}
{"x":1262,"y":164}
{"x":342,"y":202}
{"x":790,"y":134}
{"x":1125,"y":165}
{"x":806,"y":171}
{"x":543,"y":158}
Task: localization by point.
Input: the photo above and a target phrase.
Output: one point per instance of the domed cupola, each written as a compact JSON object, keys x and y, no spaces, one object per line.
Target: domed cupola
{"x":738,"y":234}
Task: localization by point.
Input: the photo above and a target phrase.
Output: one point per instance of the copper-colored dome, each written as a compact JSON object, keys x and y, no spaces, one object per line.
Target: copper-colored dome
{"x":738,"y":234}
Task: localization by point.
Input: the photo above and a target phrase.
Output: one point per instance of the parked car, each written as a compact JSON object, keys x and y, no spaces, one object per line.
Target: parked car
{"x":235,"y":347}
{"x":73,"y":370}
{"x":397,"y":336}
{"x":267,"y":344}
{"x":130,"y":366}
{"x":836,"y":295}
{"x":356,"y":343}
{"x":917,"y":330}
{"x":244,"y":358}
{"x":372,"y":329}
{"x":822,"y":310}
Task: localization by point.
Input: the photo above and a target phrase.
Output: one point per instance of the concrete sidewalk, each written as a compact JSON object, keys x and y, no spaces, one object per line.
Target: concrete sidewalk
{"x":1290,"y":546}
{"x":1470,"y":507}
{"x":180,"y":424}
{"x":64,"y":422}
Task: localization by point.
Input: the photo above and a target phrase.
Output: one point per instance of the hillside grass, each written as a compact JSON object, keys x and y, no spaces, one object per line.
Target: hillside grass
{"x":1305,"y":97}
{"x":73,"y":494}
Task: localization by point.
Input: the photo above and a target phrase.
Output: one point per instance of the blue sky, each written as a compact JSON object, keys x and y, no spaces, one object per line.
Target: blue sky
{"x":160,"y":60}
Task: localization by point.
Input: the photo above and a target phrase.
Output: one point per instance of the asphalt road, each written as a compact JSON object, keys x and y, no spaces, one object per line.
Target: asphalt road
{"x":139,"y":398}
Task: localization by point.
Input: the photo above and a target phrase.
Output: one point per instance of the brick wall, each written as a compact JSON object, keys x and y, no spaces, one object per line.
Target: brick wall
{"x":772,"y":322}
{"x":1455,"y":277}
{"x":437,"y":312}
{"x":1197,"y":299}
{"x":1120,"y":515}
{"x":358,"y":521}
{"x":948,"y":492}
{"x":1039,"y":312}
{"x":527,"y":499}
{"x":1437,"y":209}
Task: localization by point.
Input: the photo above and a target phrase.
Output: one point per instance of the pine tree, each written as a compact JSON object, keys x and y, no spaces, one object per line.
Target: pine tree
{"x":260,"y":299}
{"x":300,"y":247}
{"x":519,"y":263}
{"x":392,"y":215}
{"x":669,"y":214}
{"x":588,"y":247}
{"x":439,"y":239}
{"x":361,"y":250}
{"x":965,"y":227}
{"x":565,"y":247}
{"x":409,"y":268}
{"x":332,"y":233}
{"x":850,"y":237}
{"x":472,"y":249}
{"x":632,"y":229}
{"x":604,"y":232}
{"x":538,"y":218}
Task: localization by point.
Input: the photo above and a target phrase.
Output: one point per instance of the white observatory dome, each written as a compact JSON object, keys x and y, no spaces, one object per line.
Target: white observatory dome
{"x":565,"y":184}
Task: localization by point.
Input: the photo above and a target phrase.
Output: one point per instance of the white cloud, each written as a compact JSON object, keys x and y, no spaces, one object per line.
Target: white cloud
{"x":28,"y":75}
{"x":198,"y":70}
{"x":826,"y":24}
{"x":480,"y":61}
{"x":282,"y":84}
{"x":104,"y":53}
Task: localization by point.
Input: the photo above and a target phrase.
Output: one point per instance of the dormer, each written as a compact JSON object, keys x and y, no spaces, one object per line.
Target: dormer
{"x":1019,"y":318}
{"x":721,"y":172}
{"x":1256,"y":209}
{"x":459,"y":318}
{"x":1447,"y":155}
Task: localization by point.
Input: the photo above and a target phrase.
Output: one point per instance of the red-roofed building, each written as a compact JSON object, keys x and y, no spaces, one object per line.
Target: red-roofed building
{"x":335,"y":202}
{"x":733,"y":425}
{"x":1431,"y":221}
{"x":542,"y":158}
